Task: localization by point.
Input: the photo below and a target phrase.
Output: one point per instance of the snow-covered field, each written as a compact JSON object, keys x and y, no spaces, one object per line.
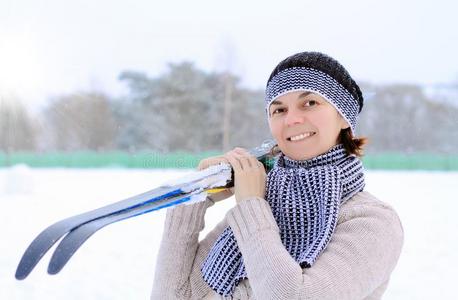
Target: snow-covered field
{"x":118,"y":262}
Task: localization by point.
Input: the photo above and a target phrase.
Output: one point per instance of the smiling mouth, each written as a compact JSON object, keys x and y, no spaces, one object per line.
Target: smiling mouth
{"x":300,"y":137}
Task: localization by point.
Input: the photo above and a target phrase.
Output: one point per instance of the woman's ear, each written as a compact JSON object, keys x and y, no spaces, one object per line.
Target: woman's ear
{"x":343,"y":123}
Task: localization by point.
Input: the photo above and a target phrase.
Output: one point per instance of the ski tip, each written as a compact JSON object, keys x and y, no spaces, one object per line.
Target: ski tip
{"x":21,"y":274}
{"x":24,"y":267}
{"x":57,"y":263}
{"x":53,"y":269}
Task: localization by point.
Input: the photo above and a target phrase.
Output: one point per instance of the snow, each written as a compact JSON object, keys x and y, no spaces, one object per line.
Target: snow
{"x":118,"y":262}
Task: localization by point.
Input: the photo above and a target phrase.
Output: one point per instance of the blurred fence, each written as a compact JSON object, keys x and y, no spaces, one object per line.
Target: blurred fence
{"x":177,"y":160}
{"x":182,"y":160}
{"x":417,"y":161}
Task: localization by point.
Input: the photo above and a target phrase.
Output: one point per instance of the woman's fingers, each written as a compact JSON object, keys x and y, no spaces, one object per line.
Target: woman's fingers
{"x":255,"y":163}
{"x":234,"y":161}
{"x":211,"y":161}
{"x":246,"y":160}
{"x":249,"y":179}
{"x":249,"y":175}
{"x":239,"y":158}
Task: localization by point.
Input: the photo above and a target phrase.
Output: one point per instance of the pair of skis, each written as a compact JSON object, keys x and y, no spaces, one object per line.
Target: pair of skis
{"x":77,"y":229}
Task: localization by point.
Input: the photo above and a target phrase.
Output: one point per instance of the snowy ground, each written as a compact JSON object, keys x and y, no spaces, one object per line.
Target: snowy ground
{"x":118,"y":262}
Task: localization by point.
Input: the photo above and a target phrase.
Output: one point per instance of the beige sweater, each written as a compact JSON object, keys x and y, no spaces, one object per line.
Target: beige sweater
{"x":356,"y":264}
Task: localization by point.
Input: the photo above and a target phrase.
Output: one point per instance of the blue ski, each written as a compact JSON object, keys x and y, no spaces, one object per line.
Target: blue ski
{"x":48,"y":237}
{"x":75,"y":238}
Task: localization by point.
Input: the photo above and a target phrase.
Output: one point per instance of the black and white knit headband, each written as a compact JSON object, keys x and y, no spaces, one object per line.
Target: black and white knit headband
{"x":308,"y":79}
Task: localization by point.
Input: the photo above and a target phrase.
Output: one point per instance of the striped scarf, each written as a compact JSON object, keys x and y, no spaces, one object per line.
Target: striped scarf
{"x":305,"y":197}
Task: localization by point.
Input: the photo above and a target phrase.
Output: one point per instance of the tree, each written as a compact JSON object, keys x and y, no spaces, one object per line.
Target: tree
{"x":17,"y":131}
{"x":188,"y":109}
{"x":81,"y":121}
{"x":401,"y":118}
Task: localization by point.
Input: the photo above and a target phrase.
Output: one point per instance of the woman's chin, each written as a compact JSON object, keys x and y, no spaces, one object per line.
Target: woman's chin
{"x":297,"y":150}
{"x":299,"y":155}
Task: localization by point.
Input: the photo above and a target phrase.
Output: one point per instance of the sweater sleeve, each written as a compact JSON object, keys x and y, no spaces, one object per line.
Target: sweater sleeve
{"x":361,"y":255}
{"x":177,"y":273}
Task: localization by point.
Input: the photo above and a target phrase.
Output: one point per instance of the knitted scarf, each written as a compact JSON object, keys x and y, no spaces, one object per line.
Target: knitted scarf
{"x":305,"y":197}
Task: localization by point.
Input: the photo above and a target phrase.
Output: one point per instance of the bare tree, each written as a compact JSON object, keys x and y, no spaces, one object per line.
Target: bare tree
{"x":401,"y":118}
{"x":82,"y":121}
{"x":17,"y":131}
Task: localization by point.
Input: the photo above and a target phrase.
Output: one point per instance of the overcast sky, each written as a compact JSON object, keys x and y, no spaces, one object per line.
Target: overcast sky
{"x":51,"y":47}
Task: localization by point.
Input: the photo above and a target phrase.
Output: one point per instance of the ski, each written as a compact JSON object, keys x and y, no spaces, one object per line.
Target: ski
{"x":75,"y":238}
{"x":48,"y":237}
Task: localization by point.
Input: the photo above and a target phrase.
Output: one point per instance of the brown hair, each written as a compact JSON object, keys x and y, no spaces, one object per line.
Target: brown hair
{"x":351,"y":144}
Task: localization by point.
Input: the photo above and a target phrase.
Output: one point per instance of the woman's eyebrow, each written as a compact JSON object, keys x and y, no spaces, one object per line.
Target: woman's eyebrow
{"x":276,"y":102}
{"x":302,"y":95}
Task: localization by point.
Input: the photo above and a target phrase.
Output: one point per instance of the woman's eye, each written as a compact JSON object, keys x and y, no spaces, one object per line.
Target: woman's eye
{"x":311,"y":103}
{"x":277,"y":111}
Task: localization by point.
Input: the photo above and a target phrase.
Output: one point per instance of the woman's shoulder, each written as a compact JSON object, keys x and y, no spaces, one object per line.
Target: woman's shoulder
{"x":364,"y":198}
{"x":365,"y":204}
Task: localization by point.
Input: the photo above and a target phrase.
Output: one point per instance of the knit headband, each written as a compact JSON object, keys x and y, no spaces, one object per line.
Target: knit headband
{"x":308,"y":79}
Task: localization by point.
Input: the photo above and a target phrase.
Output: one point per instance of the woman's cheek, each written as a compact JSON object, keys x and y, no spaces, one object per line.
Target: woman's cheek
{"x":275,"y":128}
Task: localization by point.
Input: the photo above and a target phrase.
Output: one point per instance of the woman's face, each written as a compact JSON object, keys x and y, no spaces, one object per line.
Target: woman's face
{"x":304,"y":124}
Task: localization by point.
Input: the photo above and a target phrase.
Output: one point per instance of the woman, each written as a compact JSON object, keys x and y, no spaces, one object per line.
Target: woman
{"x":307,"y":230}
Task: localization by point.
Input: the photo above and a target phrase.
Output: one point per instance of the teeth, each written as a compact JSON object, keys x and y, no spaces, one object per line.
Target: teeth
{"x":301,"y":136}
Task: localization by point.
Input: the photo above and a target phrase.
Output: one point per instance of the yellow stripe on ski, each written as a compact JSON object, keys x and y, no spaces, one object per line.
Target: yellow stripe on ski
{"x":214,"y":191}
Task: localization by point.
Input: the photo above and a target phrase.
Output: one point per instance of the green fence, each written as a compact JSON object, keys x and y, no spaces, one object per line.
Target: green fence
{"x":417,"y":161}
{"x":387,"y":161}
{"x":178,"y":160}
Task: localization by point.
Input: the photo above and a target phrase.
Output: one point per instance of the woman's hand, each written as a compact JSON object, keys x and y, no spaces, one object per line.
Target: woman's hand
{"x":249,"y":174}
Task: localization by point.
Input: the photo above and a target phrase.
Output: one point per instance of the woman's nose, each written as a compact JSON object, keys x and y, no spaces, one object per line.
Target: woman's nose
{"x":294,"y":117}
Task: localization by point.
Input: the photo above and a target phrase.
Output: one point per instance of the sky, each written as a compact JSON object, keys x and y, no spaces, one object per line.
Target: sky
{"x":49,"y":47}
